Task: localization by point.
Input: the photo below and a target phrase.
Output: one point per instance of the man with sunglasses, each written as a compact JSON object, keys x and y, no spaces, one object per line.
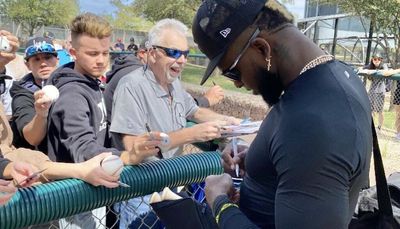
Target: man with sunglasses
{"x":128,"y":63}
{"x":312,"y":153}
{"x":153,"y":96}
{"x":30,"y":106}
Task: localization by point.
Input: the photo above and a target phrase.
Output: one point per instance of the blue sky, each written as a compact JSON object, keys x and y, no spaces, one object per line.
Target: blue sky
{"x":104,"y":6}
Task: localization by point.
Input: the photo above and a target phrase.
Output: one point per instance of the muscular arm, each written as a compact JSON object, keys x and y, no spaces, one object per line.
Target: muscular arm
{"x":314,"y":175}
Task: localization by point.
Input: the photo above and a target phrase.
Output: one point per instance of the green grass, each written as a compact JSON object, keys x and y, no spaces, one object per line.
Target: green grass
{"x":389,"y":118}
{"x":192,"y":74}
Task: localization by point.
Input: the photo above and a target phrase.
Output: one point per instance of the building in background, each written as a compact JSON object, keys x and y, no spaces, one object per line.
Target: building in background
{"x":338,"y":33}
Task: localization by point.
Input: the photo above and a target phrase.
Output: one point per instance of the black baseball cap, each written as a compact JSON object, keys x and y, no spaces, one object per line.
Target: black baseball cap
{"x":218,"y":23}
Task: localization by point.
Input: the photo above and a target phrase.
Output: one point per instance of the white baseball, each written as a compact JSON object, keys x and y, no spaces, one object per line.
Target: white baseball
{"x":113,"y":165}
{"x":5,"y":44}
{"x":164,"y":139}
{"x":51,"y":92}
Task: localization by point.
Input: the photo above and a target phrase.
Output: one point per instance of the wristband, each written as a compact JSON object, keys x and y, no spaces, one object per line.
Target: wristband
{"x":223,"y":208}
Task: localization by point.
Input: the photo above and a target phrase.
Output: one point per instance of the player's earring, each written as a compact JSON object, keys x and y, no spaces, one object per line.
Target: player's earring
{"x":268,"y":63}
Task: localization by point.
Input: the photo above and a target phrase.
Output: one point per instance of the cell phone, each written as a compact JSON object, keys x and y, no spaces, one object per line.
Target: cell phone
{"x":29,"y":178}
{"x":5,"y":44}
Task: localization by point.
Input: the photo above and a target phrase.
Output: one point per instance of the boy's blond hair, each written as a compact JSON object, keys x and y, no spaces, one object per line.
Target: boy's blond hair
{"x":91,"y":25}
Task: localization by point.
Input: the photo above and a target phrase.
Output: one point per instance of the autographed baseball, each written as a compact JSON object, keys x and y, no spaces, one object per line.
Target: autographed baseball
{"x":113,"y":165}
{"x":5,"y":44}
{"x":51,"y":92}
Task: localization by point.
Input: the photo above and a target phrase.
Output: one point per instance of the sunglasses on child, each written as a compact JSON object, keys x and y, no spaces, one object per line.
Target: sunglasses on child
{"x":173,"y":53}
{"x":41,"y":48}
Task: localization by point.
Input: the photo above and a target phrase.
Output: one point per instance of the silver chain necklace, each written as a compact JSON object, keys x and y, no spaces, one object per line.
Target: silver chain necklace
{"x":315,"y":62}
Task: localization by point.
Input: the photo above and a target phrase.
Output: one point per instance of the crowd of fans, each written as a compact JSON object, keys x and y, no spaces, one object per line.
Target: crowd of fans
{"x":43,"y":134}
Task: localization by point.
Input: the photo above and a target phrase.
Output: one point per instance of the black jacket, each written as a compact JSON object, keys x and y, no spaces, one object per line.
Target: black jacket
{"x":77,"y":127}
{"x":23,"y":110}
{"x":122,"y":66}
{"x":3,"y":164}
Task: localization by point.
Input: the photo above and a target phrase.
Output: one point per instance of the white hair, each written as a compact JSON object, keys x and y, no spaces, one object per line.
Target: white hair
{"x":155,"y":33}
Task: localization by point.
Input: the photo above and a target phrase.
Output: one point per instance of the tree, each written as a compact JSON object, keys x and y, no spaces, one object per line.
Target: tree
{"x":385,"y":21}
{"x":155,"y":10}
{"x":128,"y":18}
{"x":183,"y":10}
{"x":33,"y":14}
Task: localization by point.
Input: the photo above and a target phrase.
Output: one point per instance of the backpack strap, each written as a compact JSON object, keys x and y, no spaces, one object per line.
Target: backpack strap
{"x":383,"y":194}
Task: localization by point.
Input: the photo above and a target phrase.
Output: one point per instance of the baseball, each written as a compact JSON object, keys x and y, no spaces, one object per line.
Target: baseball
{"x":164,"y":139}
{"x":4,"y":44}
{"x":112,"y":165}
{"x":51,"y":92}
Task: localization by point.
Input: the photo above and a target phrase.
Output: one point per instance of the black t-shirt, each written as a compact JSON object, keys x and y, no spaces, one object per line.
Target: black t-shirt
{"x":311,"y":156}
{"x":3,"y":164}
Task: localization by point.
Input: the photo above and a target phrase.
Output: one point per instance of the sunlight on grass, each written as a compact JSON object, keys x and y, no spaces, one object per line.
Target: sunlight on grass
{"x":192,"y":74}
{"x":389,"y":118}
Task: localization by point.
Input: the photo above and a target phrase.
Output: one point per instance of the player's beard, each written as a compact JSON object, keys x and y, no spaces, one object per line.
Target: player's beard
{"x":269,"y":86}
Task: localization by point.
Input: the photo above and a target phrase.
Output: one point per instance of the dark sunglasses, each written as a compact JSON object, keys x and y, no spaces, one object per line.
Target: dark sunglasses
{"x":376,"y":58}
{"x":232,"y":72}
{"x":173,"y":53}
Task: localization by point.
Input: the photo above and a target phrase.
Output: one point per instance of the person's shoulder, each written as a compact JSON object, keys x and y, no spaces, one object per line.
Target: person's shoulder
{"x":134,"y":78}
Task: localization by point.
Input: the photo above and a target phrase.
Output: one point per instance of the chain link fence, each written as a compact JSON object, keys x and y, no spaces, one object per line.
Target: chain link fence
{"x":384,"y":96}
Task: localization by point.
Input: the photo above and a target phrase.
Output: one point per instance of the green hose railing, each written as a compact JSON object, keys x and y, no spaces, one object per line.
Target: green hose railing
{"x":59,"y":199}
{"x":380,"y":75}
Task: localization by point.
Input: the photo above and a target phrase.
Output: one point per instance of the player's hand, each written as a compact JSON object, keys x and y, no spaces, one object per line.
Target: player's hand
{"x":218,"y":185}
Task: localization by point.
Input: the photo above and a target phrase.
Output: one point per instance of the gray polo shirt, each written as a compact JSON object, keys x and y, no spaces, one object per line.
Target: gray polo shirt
{"x":139,"y":99}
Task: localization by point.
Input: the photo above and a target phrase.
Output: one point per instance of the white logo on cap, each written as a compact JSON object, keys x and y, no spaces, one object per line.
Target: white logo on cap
{"x":225,"y":32}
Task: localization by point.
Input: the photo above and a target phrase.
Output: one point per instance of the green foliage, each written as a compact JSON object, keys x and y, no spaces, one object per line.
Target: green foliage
{"x":385,"y":16}
{"x":136,"y":15}
{"x":128,"y":18}
{"x":155,"y":10}
{"x":33,"y":14}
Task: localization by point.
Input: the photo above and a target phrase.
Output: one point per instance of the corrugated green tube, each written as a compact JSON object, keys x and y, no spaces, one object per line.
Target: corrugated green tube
{"x":43,"y":203}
